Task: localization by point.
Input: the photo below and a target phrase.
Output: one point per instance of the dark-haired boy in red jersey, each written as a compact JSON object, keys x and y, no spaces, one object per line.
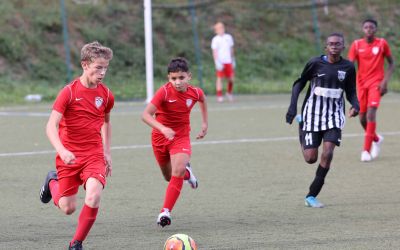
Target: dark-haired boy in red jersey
{"x":169,"y":115}
{"x":372,"y":82}
{"x":79,"y":129}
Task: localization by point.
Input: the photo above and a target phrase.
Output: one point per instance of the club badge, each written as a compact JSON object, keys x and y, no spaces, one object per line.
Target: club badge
{"x":375,"y":50}
{"x":98,"y":101}
{"x":189,"y":102}
{"x":341,"y":75}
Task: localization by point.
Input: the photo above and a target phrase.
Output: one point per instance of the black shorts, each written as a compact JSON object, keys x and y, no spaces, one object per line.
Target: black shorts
{"x":310,"y":139}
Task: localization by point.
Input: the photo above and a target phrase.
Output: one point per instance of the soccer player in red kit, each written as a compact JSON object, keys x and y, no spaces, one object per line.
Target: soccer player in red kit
{"x":79,"y":129}
{"x":370,"y":52}
{"x":169,"y":115}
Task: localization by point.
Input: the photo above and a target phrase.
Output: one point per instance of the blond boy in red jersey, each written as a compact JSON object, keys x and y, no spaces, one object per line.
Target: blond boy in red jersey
{"x":169,"y":115}
{"x":369,"y":53}
{"x":79,"y":128}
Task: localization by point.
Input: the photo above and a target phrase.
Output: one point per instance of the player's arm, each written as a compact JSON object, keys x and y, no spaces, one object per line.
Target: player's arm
{"x":52,"y":133}
{"x":106,"y":136}
{"x":233,"y":56}
{"x":352,"y":55}
{"x":204,"y":117}
{"x":148,"y":118}
{"x":351,"y":93}
{"x":218,"y":64}
{"x":298,"y":86}
{"x":388,"y":74}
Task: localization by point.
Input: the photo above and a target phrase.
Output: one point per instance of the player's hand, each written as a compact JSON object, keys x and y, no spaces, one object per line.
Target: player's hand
{"x":233,"y":63}
{"x":383,"y":87}
{"x":67,"y":156}
{"x":108,"y":162}
{"x":290,"y":115}
{"x":218,"y":65}
{"x":203,"y":132}
{"x":168,"y":133}
{"x":353,"y":112}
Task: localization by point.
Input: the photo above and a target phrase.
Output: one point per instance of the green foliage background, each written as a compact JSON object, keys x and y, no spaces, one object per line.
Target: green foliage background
{"x":273,"y":39}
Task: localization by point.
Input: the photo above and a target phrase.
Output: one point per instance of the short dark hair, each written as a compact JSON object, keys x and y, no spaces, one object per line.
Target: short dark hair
{"x":178,"y":64}
{"x":370,"y":20}
{"x":338,"y":34}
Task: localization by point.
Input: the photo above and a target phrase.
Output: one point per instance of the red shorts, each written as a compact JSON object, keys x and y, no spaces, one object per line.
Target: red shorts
{"x":164,"y":148}
{"x":70,"y":177}
{"x":368,"y":97}
{"x":227,"y":71}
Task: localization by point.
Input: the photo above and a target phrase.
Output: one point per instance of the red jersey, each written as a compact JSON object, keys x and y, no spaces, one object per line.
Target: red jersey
{"x":83,"y":112}
{"x":173,"y":107}
{"x":370,"y":58}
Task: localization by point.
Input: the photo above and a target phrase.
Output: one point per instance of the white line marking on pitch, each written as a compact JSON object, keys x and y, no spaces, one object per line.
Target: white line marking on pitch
{"x":232,"y":141}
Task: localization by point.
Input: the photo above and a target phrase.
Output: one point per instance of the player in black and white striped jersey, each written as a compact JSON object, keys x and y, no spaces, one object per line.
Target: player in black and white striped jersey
{"x":323,"y":111}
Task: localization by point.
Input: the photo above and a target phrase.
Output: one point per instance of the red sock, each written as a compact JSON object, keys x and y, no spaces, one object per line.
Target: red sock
{"x":369,"y":135}
{"x":85,"y":222}
{"x":173,"y":191}
{"x":53,"y":184}
{"x":219,"y":92}
{"x":187,"y":175}
{"x":230,"y":87}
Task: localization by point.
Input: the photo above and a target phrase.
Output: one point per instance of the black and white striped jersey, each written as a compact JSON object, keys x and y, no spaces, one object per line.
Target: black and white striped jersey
{"x":324,"y":105}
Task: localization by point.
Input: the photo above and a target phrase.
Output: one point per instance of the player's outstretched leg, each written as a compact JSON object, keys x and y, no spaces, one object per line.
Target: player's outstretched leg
{"x":164,"y":218}
{"x":45,"y":194}
{"x":315,"y":188}
{"x":190,"y":177}
{"x":77,"y":245}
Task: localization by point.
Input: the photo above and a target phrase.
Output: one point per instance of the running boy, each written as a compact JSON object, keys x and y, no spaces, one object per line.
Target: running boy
{"x":224,"y":59}
{"x":79,"y":129}
{"x":169,"y":116}
{"x":322,"y":113}
{"x":370,"y":52}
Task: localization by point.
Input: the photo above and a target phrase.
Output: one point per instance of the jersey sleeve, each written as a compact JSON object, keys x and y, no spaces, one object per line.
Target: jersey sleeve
{"x":214,"y":44}
{"x":201,"y":95}
{"x":110,"y":103}
{"x":231,"y":41}
{"x":62,"y":100}
{"x":386,"y":49}
{"x":353,"y":52}
{"x":299,"y":85}
{"x":159,"y":97}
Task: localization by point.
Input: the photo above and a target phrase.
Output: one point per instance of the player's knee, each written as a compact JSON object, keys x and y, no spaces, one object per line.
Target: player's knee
{"x":327,"y":156}
{"x":68,"y":209}
{"x":167,"y":177}
{"x":93,"y":199}
{"x":310,"y":158}
{"x":179,"y":172}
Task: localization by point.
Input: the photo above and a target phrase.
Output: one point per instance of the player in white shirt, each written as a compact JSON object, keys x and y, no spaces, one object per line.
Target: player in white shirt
{"x":224,"y":59}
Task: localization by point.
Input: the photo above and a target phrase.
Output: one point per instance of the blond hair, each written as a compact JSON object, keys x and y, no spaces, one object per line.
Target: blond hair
{"x":95,"y":50}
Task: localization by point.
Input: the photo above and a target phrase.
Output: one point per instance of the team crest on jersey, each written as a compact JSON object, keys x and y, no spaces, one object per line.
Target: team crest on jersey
{"x":375,"y":50}
{"x":98,"y":101}
{"x":341,"y":75}
{"x":189,"y":102}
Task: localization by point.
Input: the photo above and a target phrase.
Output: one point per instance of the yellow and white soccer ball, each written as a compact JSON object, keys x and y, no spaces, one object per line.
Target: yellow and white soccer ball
{"x":180,"y":242}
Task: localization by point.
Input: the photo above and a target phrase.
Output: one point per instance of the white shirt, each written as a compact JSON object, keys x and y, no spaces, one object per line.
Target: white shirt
{"x":223,"y":45}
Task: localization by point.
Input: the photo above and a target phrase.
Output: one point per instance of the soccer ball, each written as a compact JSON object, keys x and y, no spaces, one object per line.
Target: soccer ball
{"x":180,"y":242}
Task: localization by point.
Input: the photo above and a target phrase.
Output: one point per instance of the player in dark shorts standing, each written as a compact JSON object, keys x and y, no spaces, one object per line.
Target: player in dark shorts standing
{"x":79,"y":128}
{"x":369,"y":53}
{"x":168,"y":114}
{"x":323,"y":110}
